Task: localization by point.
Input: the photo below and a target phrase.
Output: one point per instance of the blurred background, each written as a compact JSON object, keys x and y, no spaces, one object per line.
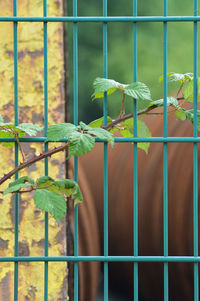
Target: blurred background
{"x":120,"y":51}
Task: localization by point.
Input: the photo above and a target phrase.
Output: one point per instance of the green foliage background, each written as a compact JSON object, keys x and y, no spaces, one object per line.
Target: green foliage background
{"x":120,"y":50}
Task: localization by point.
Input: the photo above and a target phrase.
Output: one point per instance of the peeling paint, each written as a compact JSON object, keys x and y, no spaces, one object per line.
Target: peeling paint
{"x":31,"y":109}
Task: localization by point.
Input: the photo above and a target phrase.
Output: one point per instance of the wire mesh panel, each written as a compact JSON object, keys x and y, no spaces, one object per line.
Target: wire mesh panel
{"x":53,"y":255}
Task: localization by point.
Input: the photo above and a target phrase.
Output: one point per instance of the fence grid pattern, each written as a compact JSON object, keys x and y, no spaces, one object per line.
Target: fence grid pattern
{"x":75,"y":19}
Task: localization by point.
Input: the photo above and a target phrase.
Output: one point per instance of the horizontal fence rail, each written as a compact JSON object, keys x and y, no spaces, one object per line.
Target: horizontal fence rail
{"x":103,"y":258}
{"x":102,"y":19}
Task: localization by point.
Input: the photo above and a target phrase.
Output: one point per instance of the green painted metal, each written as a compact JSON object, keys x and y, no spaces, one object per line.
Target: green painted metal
{"x":105,"y":74}
{"x":165,"y":259}
{"x":46,"y":144}
{"x":165,"y":156}
{"x":75,"y":79}
{"x":135,"y":165}
{"x":16,"y":114}
{"x":103,"y":19}
{"x":195,"y":158}
{"x":193,"y":259}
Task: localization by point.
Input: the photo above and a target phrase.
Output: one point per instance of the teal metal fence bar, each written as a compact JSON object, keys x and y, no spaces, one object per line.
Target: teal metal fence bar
{"x":102,"y":19}
{"x":46,"y":144}
{"x":118,"y":139}
{"x":195,"y":158}
{"x":135,"y":165}
{"x":16,"y":114}
{"x":165,"y":156}
{"x":163,"y":259}
{"x":105,"y":109}
{"x":135,"y":259}
{"x":75,"y":79}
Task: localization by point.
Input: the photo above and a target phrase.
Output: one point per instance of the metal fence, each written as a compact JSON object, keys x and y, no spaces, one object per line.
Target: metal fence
{"x":165,"y":259}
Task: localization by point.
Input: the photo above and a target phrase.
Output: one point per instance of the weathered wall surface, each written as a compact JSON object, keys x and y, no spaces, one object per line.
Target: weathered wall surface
{"x":31,"y":109}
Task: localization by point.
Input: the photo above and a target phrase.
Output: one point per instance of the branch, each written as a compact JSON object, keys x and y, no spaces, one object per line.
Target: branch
{"x":121,"y":119}
{"x":32,"y":161}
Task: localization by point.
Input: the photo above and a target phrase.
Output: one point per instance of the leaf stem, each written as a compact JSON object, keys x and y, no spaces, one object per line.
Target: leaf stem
{"x":122,"y":107}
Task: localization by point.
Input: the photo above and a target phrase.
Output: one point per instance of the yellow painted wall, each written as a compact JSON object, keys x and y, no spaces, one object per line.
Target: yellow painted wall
{"x":31,"y":109}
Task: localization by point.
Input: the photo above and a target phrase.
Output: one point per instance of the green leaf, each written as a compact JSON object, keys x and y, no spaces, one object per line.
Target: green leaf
{"x":180,"y":115}
{"x":60,"y":131}
{"x":80,"y":144}
{"x":29,"y":128}
{"x":44,"y":181}
{"x":102,"y":134}
{"x":99,"y":122}
{"x":181,"y":77}
{"x":102,"y":85}
{"x":51,"y":202}
{"x":142,"y":131}
{"x":98,"y":132}
{"x":188,"y":92}
{"x":171,"y":101}
{"x":77,"y":195}
{"x":190,"y":115}
{"x":6,"y":134}
{"x":1,"y":119}
{"x":22,"y":180}
{"x":9,"y":130}
{"x":15,"y":188}
{"x":138,"y":91}
{"x":67,"y":187}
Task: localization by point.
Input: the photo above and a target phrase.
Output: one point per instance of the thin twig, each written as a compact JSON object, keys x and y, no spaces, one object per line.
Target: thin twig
{"x":128,"y":116}
{"x":33,"y":160}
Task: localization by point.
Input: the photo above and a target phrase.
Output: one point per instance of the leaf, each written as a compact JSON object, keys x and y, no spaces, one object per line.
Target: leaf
{"x":9,"y":130}
{"x":30,"y":128}
{"x":98,"y":132}
{"x":99,"y":122}
{"x":171,"y":101}
{"x":44,"y":181}
{"x":102,"y":85}
{"x":80,"y":144}
{"x":60,"y":131}
{"x":15,"y":188}
{"x":138,"y":91}
{"x":190,"y":115}
{"x":188,"y":92}
{"x":6,"y":134}
{"x":180,"y":115}
{"x":1,"y":119}
{"x":67,"y":187}
{"x":51,"y":202}
{"x":142,"y":131}
{"x":181,"y":77}
{"x":77,"y":195}
{"x":22,"y":180}
{"x":102,"y":134}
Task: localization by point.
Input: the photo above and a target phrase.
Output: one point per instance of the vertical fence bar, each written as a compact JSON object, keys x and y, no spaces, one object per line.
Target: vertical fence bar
{"x":75,"y":79}
{"x":135,"y":157}
{"x":105,"y":74}
{"x":16,"y":210}
{"x":165,"y":156}
{"x":46,"y":144}
{"x":195,"y":156}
